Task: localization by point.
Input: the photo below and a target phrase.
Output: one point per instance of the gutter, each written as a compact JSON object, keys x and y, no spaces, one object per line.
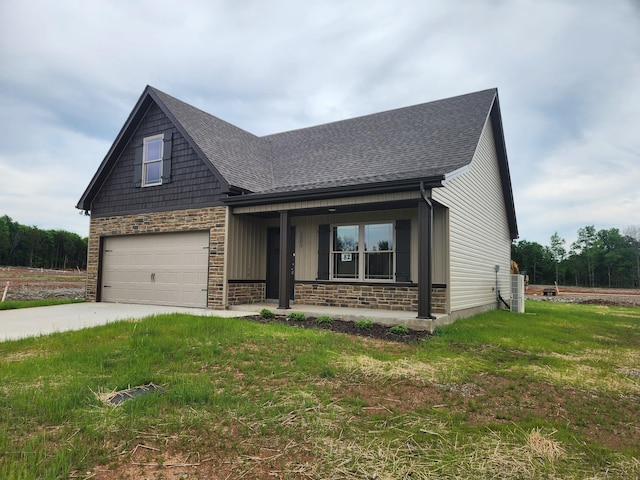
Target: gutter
{"x":250,"y":199}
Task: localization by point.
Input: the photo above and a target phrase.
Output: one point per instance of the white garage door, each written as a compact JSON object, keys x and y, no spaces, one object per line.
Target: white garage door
{"x":162,"y":269}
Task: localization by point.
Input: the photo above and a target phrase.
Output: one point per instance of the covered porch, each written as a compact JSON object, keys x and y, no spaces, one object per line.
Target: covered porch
{"x":394,"y":277}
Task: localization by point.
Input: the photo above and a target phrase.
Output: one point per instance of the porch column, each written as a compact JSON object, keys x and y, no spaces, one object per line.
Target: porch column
{"x":425,"y":248}
{"x":285,"y":261}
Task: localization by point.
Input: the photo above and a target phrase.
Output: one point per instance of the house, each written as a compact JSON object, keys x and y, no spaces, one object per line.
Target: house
{"x":409,"y":210}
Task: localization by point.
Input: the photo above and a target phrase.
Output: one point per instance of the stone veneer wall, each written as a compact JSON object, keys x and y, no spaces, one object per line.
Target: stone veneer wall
{"x":211,"y":218}
{"x":242,"y":293}
{"x":384,"y":297}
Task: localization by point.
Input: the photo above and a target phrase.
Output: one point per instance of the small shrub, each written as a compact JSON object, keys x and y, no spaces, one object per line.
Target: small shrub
{"x":296,"y":316}
{"x":324,"y":319}
{"x":364,"y":324}
{"x":266,"y":313}
{"x":399,"y":330}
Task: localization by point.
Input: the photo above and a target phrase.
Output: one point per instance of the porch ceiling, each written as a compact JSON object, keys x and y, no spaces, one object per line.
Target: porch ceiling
{"x":329,"y":209}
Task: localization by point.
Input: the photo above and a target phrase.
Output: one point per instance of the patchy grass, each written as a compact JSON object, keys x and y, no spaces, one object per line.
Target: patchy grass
{"x":553,"y":393}
{"x":13,"y":304}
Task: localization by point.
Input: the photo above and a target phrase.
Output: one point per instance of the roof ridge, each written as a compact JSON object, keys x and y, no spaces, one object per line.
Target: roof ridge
{"x":385,"y":112}
{"x":204,"y":112}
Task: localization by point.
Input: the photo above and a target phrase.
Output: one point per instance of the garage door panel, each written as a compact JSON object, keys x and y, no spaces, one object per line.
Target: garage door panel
{"x":162,"y":269}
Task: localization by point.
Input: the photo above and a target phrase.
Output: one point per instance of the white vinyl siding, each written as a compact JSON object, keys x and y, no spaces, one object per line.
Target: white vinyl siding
{"x":158,"y":269}
{"x":478,"y":230}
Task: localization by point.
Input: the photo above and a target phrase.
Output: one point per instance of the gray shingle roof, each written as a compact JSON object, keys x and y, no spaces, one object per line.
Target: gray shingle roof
{"x":421,"y":141}
{"x":239,"y":156}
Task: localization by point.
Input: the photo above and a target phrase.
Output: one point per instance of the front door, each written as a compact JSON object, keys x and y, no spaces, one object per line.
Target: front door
{"x":273,"y":261}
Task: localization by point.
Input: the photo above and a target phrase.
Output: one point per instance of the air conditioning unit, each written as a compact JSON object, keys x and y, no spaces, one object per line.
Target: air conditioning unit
{"x":517,"y":293}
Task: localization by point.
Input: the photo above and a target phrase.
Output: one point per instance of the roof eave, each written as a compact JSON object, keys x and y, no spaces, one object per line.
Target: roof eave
{"x":142,"y":105}
{"x":503,"y":163}
{"x":251,"y":199}
{"x":116,"y":147}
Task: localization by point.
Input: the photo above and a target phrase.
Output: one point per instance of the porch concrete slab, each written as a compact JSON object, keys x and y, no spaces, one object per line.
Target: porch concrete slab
{"x":27,"y":322}
{"x":382,"y":317}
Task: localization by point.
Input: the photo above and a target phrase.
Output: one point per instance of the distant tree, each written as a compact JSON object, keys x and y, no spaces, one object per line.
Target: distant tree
{"x":583,"y":247}
{"x":557,"y":250}
{"x":21,"y":245}
{"x":4,"y":239}
{"x":533,"y":259}
{"x":632,"y":232}
{"x":611,"y":251}
{"x":597,"y":258}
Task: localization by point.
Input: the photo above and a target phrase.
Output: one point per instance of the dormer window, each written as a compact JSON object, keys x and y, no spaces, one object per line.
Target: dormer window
{"x":152,"y":165}
{"x":152,"y":160}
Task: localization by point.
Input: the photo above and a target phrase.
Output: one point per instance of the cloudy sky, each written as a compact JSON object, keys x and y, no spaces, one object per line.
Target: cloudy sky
{"x":567,"y":72}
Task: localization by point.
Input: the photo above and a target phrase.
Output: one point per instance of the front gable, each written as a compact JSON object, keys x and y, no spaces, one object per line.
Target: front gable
{"x":188,"y":180}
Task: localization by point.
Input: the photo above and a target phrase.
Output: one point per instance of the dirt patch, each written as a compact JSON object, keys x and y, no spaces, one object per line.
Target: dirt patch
{"x":506,"y":400}
{"x":487,"y":399}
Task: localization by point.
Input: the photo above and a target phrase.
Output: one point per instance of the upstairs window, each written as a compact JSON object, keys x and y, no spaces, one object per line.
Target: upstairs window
{"x":152,"y":151}
{"x":152,"y":165}
{"x":363,"y":252}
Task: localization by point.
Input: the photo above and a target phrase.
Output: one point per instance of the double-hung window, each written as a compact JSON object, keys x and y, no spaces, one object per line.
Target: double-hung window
{"x":363,"y":252}
{"x":152,"y":151}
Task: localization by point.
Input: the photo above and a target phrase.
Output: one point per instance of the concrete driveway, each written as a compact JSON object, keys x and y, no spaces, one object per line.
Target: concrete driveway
{"x":28,"y":322}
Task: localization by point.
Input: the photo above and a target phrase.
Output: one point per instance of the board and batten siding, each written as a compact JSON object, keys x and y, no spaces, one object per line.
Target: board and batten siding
{"x":247,"y":257}
{"x":478,"y":231}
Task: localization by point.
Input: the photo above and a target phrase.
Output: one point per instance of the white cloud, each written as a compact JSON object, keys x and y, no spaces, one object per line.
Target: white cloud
{"x":567,"y":73}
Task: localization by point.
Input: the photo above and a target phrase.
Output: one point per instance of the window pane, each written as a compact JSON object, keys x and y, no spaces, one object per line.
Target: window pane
{"x":379,"y":266}
{"x":378,"y":237}
{"x":345,"y":238}
{"x":153,"y":172}
{"x":345,"y":265}
{"x":153,"y":150}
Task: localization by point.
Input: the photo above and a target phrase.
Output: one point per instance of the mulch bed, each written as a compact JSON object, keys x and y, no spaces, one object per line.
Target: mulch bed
{"x":376,"y":331}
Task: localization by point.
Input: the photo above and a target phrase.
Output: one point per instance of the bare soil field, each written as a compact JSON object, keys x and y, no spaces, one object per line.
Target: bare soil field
{"x":629,"y":297}
{"x":37,"y":284}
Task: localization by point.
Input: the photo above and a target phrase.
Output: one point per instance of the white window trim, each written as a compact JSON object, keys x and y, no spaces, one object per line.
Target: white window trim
{"x":145,"y":163}
{"x":361,"y":253}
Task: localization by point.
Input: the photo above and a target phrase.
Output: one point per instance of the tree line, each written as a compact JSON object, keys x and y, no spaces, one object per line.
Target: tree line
{"x":603,"y":258}
{"x":25,"y":246}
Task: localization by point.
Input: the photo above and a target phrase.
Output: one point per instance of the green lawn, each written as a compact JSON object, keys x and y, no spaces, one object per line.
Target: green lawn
{"x":553,"y":393}
{"x":14,"y":304}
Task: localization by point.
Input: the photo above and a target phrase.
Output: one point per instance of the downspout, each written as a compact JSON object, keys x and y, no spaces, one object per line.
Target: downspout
{"x":425,"y":254}
{"x":498,"y":295}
